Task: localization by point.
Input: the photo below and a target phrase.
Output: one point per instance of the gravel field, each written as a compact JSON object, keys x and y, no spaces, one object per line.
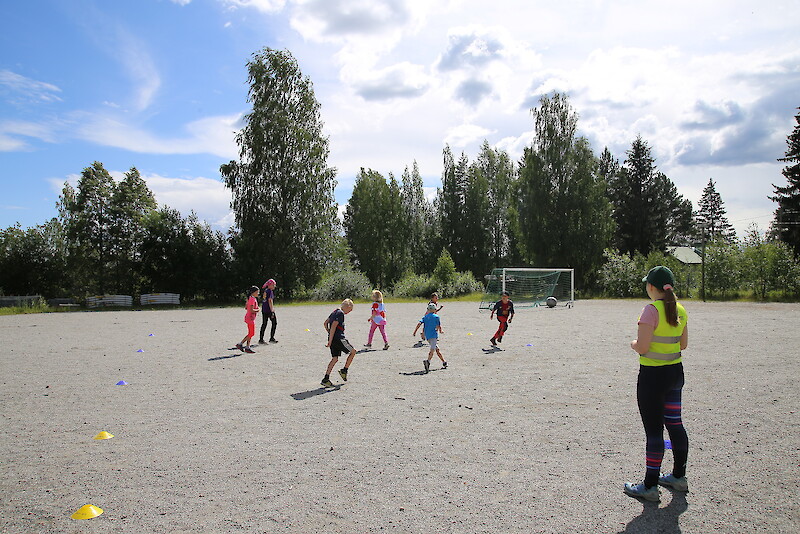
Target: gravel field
{"x":536,"y":437}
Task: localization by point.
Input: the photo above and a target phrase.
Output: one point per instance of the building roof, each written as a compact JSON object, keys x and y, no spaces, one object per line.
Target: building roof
{"x":685,"y":255}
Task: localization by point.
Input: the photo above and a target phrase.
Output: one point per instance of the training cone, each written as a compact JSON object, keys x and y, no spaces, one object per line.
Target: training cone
{"x":121,"y":383}
{"x":104,"y":435}
{"x":469,"y":334}
{"x":87,"y":511}
{"x":308,"y":330}
{"x":140,"y":350}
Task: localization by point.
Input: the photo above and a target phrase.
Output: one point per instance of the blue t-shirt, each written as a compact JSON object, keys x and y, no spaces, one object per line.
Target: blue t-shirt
{"x":337,"y":315}
{"x":430,"y":322}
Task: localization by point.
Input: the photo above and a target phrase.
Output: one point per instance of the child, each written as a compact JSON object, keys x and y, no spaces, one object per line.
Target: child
{"x":435,"y":301}
{"x":505,"y":313}
{"x":431,"y":329}
{"x":249,"y":318}
{"x":378,"y":319}
{"x":268,"y":311}
{"x":662,"y":335}
{"x":338,"y":344}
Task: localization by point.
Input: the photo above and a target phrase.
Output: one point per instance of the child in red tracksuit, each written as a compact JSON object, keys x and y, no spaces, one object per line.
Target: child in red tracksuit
{"x":505,"y":313}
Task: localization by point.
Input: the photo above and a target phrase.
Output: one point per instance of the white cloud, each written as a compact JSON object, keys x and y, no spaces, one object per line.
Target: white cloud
{"x":22,"y":89}
{"x":464,"y":134}
{"x":181,"y":2}
{"x":12,"y":130}
{"x":211,"y":135}
{"x":265,"y":6}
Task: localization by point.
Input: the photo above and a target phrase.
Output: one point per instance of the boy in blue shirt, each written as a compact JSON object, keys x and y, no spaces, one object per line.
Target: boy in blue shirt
{"x":432,"y":327}
{"x":338,"y":344}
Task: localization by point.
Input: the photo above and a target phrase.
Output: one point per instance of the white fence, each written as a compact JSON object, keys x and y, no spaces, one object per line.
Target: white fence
{"x":160,"y":298}
{"x":21,"y":300}
{"x":109,"y":300}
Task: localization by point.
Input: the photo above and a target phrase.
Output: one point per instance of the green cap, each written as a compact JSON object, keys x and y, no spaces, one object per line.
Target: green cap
{"x":660,"y":276}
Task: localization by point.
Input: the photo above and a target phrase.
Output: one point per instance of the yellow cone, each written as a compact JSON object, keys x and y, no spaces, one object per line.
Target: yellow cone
{"x":87,"y":511}
{"x":104,"y":435}
{"x":469,"y":334}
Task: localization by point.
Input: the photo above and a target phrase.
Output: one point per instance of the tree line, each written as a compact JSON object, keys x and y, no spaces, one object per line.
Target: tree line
{"x":560,"y":205}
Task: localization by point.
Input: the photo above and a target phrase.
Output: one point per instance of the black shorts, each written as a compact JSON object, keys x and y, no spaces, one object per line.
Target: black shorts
{"x":340,"y":346}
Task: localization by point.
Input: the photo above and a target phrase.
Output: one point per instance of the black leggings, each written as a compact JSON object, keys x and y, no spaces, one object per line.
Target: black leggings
{"x":265,"y":317}
{"x":658,"y":393}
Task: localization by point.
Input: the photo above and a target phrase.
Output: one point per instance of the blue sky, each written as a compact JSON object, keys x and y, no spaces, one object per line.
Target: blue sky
{"x":712,"y":86}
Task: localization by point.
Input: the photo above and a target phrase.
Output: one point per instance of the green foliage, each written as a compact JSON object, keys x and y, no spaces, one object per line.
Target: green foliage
{"x":282,"y":186}
{"x":621,"y":275}
{"x":445,"y":271}
{"x":711,"y":215}
{"x":564,"y":215}
{"x":343,"y":285}
{"x":648,"y":211}
{"x":413,"y":285}
{"x":32,"y":261}
{"x":786,"y":225}
{"x":722,"y":267}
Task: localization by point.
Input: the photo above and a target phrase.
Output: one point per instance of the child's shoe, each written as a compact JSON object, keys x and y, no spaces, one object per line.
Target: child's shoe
{"x":500,"y":339}
{"x":641,"y":491}
{"x":273,"y":340}
{"x":343,"y":374}
{"x":669,"y":481}
{"x":240,"y":347}
{"x":326,"y":382}
{"x":262,"y":342}
{"x":386,"y":347}
{"x":368,"y":345}
{"x":444,"y":365}
{"x":248,"y":350}
{"x":427,"y":364}
{"x":492,"y":342}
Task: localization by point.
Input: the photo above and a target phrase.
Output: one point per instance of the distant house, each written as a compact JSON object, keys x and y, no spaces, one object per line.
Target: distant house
{"x":685,"y":255}
{"x":692,"y":260}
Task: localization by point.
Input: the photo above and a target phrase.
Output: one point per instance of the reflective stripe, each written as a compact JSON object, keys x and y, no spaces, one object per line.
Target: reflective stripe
{"x":660,"y":356}
{"x":666,"y":339}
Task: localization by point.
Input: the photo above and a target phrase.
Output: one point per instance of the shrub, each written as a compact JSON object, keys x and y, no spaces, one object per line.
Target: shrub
{"x":414,"y":285}
{"x":342,"y":285}
{"x":462,"y":283}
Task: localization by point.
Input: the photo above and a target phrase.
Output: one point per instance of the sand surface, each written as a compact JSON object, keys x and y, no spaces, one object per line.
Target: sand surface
{"x":535,"y":438}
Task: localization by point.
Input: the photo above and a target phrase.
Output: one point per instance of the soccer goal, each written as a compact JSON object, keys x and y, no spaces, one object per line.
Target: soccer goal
{"x":530,"y":288}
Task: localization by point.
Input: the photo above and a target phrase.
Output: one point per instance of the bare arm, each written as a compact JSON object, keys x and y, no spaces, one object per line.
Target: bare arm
{"x":643,"y":338}
{"x":331,"y":332}
{"x":415,"y":330}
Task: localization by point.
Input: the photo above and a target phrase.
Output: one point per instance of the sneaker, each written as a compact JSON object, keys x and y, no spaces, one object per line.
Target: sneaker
{"x":427,"y":364}
{"x":492,"y":341}
{"x":444,"y":365}
{"x":248,"y":350}
{"x":640,"y":491}
{"x":262,"y":342}
{"x":672,"y":482}
{"x":273,"y":340}
{"x":368,"y":345}
{"x":343,"y":374}
{"x":327,"y":383}
{"x":240,"y":347}
{"x":386,"y":347}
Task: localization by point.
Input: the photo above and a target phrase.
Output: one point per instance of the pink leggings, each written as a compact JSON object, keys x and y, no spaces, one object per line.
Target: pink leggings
{"x":372,"y":328}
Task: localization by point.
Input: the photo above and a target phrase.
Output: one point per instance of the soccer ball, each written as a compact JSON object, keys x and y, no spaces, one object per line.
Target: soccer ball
{"x":551,"y":302}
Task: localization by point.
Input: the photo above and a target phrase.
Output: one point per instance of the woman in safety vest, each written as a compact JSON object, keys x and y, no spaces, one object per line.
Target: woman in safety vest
{"x":661,"y":337}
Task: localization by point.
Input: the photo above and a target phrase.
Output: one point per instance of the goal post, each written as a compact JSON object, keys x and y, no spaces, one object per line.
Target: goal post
{"x":530,"y":288}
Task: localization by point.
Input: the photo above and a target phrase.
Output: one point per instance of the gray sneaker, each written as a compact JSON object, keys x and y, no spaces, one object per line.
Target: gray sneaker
{"x":642,"y":492}
{"x":678,"y":484}
{"x":427,"y":364}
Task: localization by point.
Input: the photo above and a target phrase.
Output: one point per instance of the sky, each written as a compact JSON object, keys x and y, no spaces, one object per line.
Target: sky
{"x":160,"y":85}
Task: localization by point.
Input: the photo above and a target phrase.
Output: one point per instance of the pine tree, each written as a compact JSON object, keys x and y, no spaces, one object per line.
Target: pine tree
{"x":787,"y":217}
{"x":711,"y":215}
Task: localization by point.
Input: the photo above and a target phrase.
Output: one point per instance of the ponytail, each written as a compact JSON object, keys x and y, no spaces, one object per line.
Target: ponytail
{"x":670,"y":305}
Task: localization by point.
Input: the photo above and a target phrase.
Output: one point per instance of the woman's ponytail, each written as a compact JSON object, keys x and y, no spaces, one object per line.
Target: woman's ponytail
{"x":670,"y":305}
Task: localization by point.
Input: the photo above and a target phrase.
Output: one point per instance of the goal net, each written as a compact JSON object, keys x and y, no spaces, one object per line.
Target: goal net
{"x":530,"y":288}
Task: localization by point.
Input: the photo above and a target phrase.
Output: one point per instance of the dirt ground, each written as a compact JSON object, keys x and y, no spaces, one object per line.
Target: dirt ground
{"x":537,"y":437}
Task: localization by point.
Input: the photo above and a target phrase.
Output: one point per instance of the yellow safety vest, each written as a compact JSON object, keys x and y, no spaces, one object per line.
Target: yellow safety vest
{"x":665,"y":347}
